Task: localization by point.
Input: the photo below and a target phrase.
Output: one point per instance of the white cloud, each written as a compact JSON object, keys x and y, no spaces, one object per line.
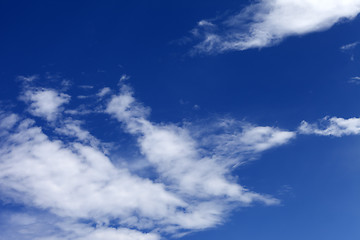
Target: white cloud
{"x":28,"y":78}
{"x":86,"y":86}
{"x":262,"y":138}
{"x":349,"y":46}
{"x":73,"y":128}
{"x":25,"y":225}
{"x":69,"y":175}
{"x":267,"y":22}
{"x":180,"y":160}
{"x":74,"y":180}
{"x":104,"y":91}
{"x":7,"y":121}
{"x":236,"y":142}
{"x":355,"y":80}
{"x":117,"y":234}
{"x":66,"y":173}
{"x":124,"y":77}
{"x":244,"y":137}
{"x":205,"y":23}
{"x":83,"y":97}
{"x":30,"y":225}
{"x":332,"y":127}
{"x":44,"y":102}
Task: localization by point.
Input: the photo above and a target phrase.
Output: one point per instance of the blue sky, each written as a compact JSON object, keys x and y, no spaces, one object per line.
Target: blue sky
{"x":149,"y":120}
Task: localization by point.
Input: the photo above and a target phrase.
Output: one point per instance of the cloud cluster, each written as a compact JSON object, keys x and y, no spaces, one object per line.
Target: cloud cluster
{"x":333,"y":126}
{"x":267,"y":22}
{"x":66,"y":173}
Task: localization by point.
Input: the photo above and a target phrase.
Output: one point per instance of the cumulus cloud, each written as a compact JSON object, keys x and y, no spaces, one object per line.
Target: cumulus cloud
{"x":265,"y":23}
{"x":333,"y":126}
{"x":67,"y":174}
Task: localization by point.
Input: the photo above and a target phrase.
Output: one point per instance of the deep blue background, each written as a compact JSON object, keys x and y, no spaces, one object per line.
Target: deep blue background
{"x":303,"y":78}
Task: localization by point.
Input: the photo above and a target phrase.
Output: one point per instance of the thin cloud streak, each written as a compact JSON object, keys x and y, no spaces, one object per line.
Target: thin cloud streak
{"x":349,"y":46}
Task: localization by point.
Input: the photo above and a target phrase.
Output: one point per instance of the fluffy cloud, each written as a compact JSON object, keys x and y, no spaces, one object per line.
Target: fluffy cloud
{"x":332,"y":127}
{"x":266,"y":23}
{"x":66,"y":172}
{"x":45,"y":103}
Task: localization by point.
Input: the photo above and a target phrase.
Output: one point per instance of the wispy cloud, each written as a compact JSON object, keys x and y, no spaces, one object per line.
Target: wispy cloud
{"x":72,"y":128}
{"x":355,"y":80}
{"x":28,"y":78}
{"x":104,"y":91}
{"x":67,"y":173}
{"x":349,"y":46}
{"x":86,"y":86}
{"x":333,"y":126}
{"x":349,"y":49}
{"x":39,"y":225}
{"x":124,"y":77}
{"x":68,"y":176}
{"x":266,"y":23}
{"x":182,"y":162}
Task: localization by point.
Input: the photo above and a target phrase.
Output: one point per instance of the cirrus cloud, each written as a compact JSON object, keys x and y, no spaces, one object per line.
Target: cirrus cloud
{"x":66,"y":172}
{"x":265,"y":23}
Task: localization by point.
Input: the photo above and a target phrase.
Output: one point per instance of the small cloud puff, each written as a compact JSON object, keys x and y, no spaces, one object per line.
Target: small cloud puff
{"x":44,"y":102}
